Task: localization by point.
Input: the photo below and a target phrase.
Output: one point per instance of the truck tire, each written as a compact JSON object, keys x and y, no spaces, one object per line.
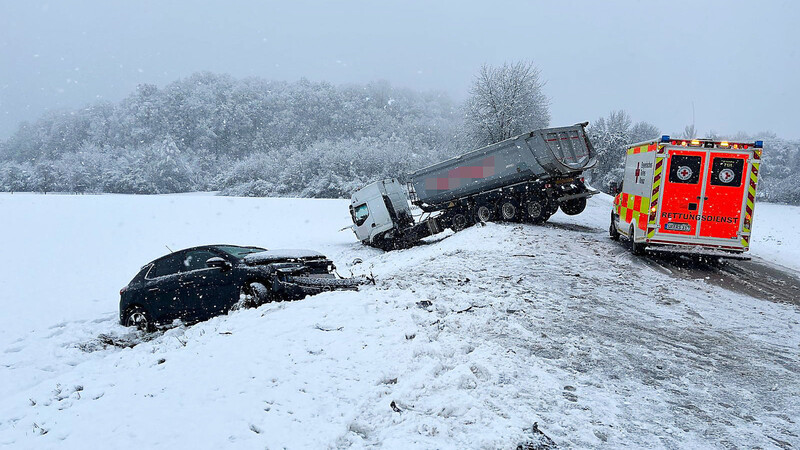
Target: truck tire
{"x":508,"y":210}
{"x":459,"y":222}
{"x":536,"y":210}
{"x":574,"y":207}
{"x":612,"y":230}
{"x":484,"y":213}
{"x":636,"y":249}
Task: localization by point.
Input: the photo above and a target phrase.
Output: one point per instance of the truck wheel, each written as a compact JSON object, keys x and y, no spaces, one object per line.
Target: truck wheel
{"x":574,"y":206}
{"x":484,"y":213}
{"x":636,"y":249}
{"x":536,"y":210}
{"x":508,"y":210}
{"x":459,"y":222}
{"x":612,"y":230}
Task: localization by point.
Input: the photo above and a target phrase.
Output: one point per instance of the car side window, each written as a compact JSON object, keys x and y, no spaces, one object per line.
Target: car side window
{"x":166,"y":266}
{"x":196,"y":260}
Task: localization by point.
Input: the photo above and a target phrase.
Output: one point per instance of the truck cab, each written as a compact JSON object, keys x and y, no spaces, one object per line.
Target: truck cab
{"x":379,"y":210}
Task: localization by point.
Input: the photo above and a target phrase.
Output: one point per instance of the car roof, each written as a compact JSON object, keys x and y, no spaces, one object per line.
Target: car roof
{"x":199,"y":247}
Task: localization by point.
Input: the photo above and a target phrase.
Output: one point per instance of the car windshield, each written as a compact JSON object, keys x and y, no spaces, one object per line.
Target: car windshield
{"x":239,"y":252}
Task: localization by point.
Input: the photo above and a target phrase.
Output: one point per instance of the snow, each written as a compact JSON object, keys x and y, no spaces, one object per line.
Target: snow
{"x":277,"y":255}
{"x":463,"y":343}
{"x":775,"y":229}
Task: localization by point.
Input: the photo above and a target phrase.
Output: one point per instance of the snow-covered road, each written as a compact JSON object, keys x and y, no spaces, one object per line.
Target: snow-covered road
{"x":471,"y":337}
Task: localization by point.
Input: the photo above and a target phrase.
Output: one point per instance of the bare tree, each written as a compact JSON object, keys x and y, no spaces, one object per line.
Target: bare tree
{"x":505,"y":101}
{"x":689,"y":132}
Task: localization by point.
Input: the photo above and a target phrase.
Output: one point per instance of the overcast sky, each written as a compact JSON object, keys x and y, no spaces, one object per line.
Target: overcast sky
{"x":737,"y":61}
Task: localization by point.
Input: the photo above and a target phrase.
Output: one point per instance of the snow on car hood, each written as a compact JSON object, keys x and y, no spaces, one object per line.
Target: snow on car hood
{"x":280,"y":255}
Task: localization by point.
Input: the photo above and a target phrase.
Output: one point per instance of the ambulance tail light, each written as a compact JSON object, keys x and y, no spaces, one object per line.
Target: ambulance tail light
{"x":758,"y":153}
{"x":653,"y":209}
{"x":723,"y":144}
{"x":683,"y":143}
{"x":695,"y":142}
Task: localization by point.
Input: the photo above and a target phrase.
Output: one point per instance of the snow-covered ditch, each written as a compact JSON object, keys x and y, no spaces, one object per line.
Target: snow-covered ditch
{"x":463,"y":343}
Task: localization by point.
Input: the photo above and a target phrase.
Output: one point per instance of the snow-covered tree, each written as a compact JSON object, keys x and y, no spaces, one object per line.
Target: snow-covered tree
{"x":610,"y":136}
{"x":505,"y":101}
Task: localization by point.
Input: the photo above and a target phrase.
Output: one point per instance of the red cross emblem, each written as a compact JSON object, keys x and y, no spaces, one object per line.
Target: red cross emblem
{"x":684,"y":173}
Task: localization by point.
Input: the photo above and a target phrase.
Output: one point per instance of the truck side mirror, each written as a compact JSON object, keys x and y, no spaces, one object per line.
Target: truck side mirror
{"x":613,"y":188}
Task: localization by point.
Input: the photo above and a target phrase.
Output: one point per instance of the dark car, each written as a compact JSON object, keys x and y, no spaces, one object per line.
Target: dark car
{"x":198,"y":283}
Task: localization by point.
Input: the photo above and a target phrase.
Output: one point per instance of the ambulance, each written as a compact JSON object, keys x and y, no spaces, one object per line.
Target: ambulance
{"x":692,"y":196}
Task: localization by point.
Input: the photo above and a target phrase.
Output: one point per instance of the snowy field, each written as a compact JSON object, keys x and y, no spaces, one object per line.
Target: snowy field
{"x":463,"y":343}
{"x":775,"y":234}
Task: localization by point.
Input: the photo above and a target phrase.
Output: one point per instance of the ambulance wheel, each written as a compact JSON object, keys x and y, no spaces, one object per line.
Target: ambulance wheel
{"x":574,"y":207}
{"x":636,"y":249}
{"x":612,"y":230}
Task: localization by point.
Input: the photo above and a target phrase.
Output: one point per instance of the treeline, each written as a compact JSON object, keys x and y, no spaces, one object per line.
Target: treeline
{"x":779,"y":177}
{"x":244,"y":137}
{"x":253,"y":137}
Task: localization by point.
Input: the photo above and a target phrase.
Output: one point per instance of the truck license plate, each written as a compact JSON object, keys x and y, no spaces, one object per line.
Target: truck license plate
{"x":677,"y":226}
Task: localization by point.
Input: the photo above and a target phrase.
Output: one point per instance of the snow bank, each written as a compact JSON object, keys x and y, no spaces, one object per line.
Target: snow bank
{"x":463,"y":343}
{"x":775,"y":234}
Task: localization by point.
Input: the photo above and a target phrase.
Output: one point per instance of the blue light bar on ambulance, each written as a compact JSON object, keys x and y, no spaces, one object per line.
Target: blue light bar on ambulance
{"x":758,"y":144}
{"x":665,"y":138}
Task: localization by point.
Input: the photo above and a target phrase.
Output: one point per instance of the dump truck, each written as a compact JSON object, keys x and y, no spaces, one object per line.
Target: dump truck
{"x":687,"y":196}
{"x":524,"y":178}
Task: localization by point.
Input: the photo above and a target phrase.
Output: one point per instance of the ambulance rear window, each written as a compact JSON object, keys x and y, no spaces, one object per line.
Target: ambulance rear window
{"x":684,"y":169}
{"x":727,"y":172}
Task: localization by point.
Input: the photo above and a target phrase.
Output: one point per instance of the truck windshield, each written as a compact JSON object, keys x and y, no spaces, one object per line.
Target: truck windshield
{"x":360,"y":214}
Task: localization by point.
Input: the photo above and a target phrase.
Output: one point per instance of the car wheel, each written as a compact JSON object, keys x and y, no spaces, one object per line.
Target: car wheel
{"x":253,"y":295}
{"x":612,"y":230}
{"x":139,"y":317}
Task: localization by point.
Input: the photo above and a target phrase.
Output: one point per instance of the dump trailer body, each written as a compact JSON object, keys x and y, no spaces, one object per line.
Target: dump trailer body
{"x":688,"y":196}
{"x":526,"y":178}
{"x":539,"y":154}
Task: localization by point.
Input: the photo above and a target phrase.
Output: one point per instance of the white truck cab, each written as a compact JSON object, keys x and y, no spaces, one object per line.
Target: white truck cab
{"x":377,"y":208}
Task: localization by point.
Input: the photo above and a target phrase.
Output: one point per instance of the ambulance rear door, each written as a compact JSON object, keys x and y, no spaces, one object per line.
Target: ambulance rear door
{"x":682,"y":191}
{"x":724,"y":196}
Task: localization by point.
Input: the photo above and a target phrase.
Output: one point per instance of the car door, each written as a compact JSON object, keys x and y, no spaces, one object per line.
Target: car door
{"x":162,"y":289}
{"x":207,"y":291}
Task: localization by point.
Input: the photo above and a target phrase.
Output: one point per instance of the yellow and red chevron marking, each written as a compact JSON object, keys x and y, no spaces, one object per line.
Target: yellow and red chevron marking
{"x":751,"y":200}
{"x":659,"y":169}
{"x":643,"y":149}
{"x":633,"y":208}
